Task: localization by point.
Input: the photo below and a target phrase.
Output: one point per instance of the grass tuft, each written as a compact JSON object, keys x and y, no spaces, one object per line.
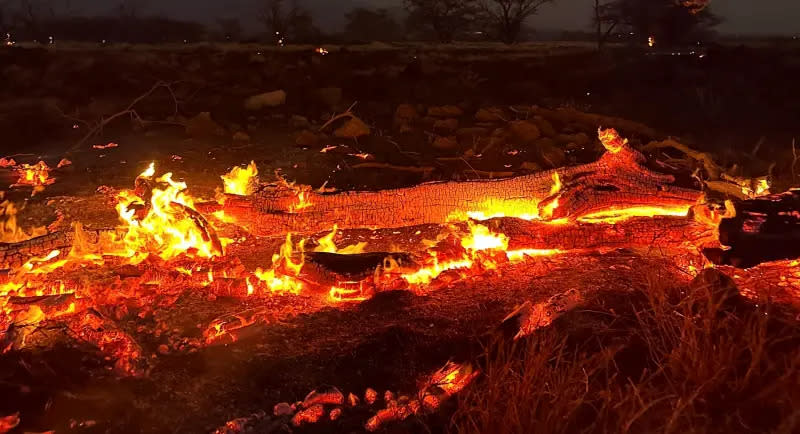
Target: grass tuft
{"x":664,"y":360}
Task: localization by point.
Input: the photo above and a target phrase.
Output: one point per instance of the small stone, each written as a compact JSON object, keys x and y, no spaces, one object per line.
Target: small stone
{"x":544,"y":142}
{"x":581,"y":139}
{"x":446,"y":125}
{"x":307,"y":139}
{"x":544,"y":126}
{"x":202,"y":126}
{"x":531,"y":166}
{"x":282,"y":409}
{"x":299,"y":122}
{"x":405,"y":115}
{"x":552,"y":156}
{"x":163,"y":349}
{"x":445,"y":143}
{"x":310,"y":415}
{"x":447,"y":111}
{"x":352,"y":129}
{"x":328,"y":395}
{"x":265,"y":100}
{"x":330,"y":96}
{"x":336,"y":413}
{"x":524,"y":132}
{"x":241,"y":136}
{"x":370,"y":396}
{"x":489,"y":115}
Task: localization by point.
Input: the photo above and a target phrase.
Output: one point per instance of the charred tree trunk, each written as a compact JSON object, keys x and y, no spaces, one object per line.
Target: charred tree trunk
{"x":615,"y":180}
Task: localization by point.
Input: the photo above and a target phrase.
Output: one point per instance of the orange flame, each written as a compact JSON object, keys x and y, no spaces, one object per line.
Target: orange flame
{"x":327,"y":245}
{"x":241,"y":181}
{"x":611,"y":140}
{"x":170,"y":227}
{"x":10,"y":231}
{"x":278,"y":282}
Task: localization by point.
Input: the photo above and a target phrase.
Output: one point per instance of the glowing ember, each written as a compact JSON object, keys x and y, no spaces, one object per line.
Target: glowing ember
{"x":302,"y":194}
{"x":36,"y":176}
{"x":611,"y":140}
{"x":241,"y":181}
{"x":651,"y":41}
{"x":618,"y":214}
{"x":526,"y":209}
{"x":108,"y":146}
{"x":694,"y":6}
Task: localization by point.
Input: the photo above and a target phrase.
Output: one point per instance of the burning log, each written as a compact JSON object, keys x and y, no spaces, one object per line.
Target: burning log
{"x":617,"y":180}
{"x":764,"y":229}
{"x":660,"y":232}
{"x":15,"y":254}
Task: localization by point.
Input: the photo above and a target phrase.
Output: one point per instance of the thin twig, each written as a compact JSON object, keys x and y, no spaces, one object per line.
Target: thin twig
{"x":128,"y":111}
{"x":347,"y":113}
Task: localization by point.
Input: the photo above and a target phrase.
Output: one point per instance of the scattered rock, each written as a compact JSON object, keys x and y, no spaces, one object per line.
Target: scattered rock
{"x":307,"y":138}
{"x":370,"y":396}
{"x":489,"y":115}
{"x":309,"y":415}
{"x":544,"y":142}
{"x":328,"y":395}
{"x":470,"y":135}
{"x":241,"y":136}
{"x":544,"y":126}
{"x":202,"y":126}
{"x":352,"y":129}
{"x":531,"y":166}
{"x":524,"y":132}
{"x":265,"y":100}
{"x":299,"y":122}
{"x":580,"y":139}
{"x":282,"y":409}
{"x":446,"y":125}
{"x":552,"y":156}
{"x":330,"y":96}
{"x":446,"y":111}
{"x":445,"y":143}
{"x":405,"y":114}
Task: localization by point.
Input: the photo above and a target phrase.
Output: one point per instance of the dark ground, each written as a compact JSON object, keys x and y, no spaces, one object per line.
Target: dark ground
{"x":724,"y":102}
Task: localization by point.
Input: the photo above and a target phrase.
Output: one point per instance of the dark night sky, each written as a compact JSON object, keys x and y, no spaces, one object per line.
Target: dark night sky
{"x":741,"y":16}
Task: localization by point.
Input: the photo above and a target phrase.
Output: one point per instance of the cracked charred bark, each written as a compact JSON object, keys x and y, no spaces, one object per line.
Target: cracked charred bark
{"x":615,"y":180}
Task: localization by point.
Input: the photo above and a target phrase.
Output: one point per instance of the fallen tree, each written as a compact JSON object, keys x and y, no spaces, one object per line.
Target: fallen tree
{"x":617,"y":180}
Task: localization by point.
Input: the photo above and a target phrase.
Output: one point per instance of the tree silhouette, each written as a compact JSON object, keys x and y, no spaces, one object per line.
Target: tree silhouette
{"x":444,"y":18}
{"x":669,"y":22}
{"x":371,"y":25}
{"x":286,"y":23}
{"x":508,"y":16}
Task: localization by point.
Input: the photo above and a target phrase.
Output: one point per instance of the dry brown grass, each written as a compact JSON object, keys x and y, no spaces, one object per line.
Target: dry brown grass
{"x":662,"y":361}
